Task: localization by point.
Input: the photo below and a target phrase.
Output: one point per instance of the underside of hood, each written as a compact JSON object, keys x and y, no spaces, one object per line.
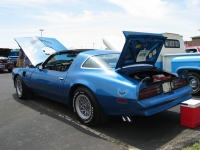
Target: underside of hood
{"x":4,"y":52}
{"x":37,"y":49}
{"x":140,"y":48}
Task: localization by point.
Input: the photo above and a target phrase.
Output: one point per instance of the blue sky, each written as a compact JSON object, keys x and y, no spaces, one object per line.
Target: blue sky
{"x":80,"y":23}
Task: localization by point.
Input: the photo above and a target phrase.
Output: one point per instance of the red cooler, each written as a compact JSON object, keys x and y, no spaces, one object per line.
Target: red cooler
{"x":190,"y":113}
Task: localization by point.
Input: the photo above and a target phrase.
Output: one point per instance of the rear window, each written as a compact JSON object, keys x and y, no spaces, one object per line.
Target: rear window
{"x":191,"y":50}
{"x":102,"y":61}
{"x":170,"y":43}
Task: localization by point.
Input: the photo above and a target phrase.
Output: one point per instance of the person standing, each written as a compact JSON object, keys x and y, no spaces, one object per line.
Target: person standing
{"x":20,"y":60}
{"x":27,"y":62}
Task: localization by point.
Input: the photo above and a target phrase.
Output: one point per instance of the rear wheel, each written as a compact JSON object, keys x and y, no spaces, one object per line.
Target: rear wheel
{"x":194,"y":79}
{"x":20,"y":88}
{"x":86,"y":107}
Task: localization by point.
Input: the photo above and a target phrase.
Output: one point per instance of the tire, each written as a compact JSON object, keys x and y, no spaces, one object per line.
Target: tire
{"x":86,"y":107}
{"x":9,"y":70}
{"x":194,"y":81}
{"x":20,"y":88}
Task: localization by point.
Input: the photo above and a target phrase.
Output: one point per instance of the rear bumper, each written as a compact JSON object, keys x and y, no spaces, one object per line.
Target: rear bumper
{"x":160,"y":103}
{"x":6,"y":66}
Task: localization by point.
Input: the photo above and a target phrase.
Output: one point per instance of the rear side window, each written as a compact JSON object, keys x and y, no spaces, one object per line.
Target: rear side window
{"x":102,"y":61}
{"x":170,"y":43}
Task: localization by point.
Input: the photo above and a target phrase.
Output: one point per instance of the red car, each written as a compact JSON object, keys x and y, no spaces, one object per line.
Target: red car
{"x":192,"y":49}
{"x":5,"y":62}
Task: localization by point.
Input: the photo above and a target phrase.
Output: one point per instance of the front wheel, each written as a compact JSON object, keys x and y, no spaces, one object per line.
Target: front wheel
{"x":86,"y":107}
{"x":20,"y":88}
{"x":194,"y":79}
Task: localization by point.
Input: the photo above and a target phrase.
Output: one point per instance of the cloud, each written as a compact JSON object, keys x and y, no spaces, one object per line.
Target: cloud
{"x":88,"y":21}
{"x":25,"y":2}
{"x":33,"y":3}
{"x":64,"y":17}
{"x":144,"y":8}
{"x":192,"y":3}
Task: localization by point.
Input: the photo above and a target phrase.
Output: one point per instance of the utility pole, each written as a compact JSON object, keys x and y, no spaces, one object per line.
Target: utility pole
{"x":41,"y":31}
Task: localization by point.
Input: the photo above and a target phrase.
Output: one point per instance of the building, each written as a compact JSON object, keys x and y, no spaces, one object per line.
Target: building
{"x":195,"y":41}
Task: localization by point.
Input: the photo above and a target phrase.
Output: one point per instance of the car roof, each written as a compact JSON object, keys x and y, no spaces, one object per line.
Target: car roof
{"x":89,"y":52}
{"x":86,"y":53}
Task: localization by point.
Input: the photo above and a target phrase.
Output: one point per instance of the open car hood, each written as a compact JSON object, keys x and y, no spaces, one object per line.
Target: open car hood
{"x":140,"y":48}
{"x":39,"y":48}
{"x":4,"y":52}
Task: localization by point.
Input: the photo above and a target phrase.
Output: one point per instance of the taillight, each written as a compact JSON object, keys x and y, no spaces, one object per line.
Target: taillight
{"x":150,"y":92}
{"x":178,"y":83}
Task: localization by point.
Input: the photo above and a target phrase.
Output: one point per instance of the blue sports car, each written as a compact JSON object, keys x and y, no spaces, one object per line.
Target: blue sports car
{"x":100,"y":83}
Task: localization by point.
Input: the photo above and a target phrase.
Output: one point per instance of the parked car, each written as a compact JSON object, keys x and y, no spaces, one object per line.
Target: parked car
{"x":14,"y":54}
{"x":192,"y":49}
{"x":5,"y":62}
{"x":100,"y":83}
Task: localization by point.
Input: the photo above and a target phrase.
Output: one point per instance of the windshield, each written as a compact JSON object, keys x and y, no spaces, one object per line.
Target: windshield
{"x":102,"y":61}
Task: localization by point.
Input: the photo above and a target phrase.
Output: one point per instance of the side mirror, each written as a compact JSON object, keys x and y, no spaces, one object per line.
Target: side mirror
{"x":40,"y":67}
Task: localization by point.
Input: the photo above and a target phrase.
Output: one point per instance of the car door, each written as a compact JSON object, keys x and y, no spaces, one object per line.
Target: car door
{"x":49,"y":80}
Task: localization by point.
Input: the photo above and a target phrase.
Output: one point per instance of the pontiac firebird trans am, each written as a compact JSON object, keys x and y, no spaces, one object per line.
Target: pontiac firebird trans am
{"x":100,"y":83}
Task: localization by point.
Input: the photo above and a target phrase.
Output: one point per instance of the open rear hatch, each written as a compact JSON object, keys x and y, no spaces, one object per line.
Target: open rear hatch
{"x":137,"y":61}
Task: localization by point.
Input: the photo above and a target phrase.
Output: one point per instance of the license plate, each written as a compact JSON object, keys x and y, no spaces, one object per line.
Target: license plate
{"x":2,"y":66}
{"x":166,"y":87}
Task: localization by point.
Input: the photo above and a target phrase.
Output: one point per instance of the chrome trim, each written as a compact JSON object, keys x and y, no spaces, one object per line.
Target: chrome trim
{"x":123,"y":118}
{"x":129,"y":119}
{"x":126,"y":118}
{"x":137,"y":65}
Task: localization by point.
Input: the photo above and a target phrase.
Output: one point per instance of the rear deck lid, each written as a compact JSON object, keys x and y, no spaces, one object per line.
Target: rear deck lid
{"x":39,"y":48}
{"x":140,"y":48}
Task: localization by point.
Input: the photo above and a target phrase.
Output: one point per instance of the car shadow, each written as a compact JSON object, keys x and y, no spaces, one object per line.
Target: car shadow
{"x":4,"y":72}
{"x":159,"y":131}
{"x":51,"y":109}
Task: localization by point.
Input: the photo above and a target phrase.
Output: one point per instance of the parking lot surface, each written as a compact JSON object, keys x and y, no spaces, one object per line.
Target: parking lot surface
{"x":40,"y":123}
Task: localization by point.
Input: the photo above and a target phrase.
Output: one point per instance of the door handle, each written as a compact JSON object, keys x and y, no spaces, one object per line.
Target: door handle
{"x":60,"y":78}
{"x":24,"y":73}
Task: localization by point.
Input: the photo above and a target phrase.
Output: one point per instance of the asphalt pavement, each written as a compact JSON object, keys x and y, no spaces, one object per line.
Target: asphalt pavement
{"x":40,"y":123}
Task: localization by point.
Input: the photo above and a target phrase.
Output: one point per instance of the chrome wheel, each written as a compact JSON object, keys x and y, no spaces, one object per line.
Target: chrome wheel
{"x":83,"y":107}
{"x":86,"y":107}
{"x":194,"y":81}
{"x":20,"y":88}
{"x":18,"y":84}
